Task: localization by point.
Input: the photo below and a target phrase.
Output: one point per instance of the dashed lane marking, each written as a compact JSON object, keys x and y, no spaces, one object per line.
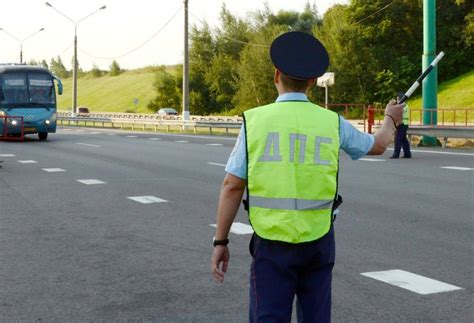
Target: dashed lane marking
{"x":181,"y":141}
{"x":131,"y":136}
{"x":27,"y":161}
{"x":7,"y":155}
{"x":457,"y":168}
{"x":90,"y":181}
{"x":88,"y":145}
{"x":372,"y":159}
{"x":53,"y":170}
{"x":412,"y":282}
{"x":154,"y":139}
{"x":216,"y":164}
{"x":95,"y":133}
{"x":238,"y":228}
{"x":111,"y":134}
{"x":213,"y":144}
{"x":146,"y":199}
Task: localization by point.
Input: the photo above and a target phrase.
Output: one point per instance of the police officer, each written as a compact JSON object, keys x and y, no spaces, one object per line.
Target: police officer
{"x":401,"y":139}
{"x":287,"y":156}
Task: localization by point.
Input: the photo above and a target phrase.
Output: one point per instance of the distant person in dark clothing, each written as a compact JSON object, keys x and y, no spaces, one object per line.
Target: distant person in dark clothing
{"x":401,"y":139}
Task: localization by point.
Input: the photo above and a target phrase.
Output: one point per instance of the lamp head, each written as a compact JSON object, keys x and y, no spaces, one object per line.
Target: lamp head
{"x":48,"y":4}
{"x":103,"y":7}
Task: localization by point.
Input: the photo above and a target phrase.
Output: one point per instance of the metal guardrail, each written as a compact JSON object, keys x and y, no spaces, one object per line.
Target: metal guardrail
{"x":153,"y":122}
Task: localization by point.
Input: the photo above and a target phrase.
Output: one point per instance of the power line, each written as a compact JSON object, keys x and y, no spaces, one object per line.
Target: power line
{"x":373,"y":14}
{"x":139,"y":46}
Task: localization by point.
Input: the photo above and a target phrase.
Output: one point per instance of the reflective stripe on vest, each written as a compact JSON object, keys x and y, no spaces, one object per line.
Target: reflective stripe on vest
{"x":293,"y":156}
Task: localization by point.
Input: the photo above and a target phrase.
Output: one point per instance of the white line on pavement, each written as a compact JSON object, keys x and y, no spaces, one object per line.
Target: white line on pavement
{"x":7,"y":155}
{"x":213,"y":144}
{"x":181,"y":141}
{"x":95,"y":133}
{"x":146,"y":199}
{"x":131,"y":136}
{"x":53,"y":170}
{"x":111,"y":134}
{"x":90,"y":181}
{"x":27,"y":161}
{"x":372,"y":159}
{"x":88,"y":145}
{"x":216,"y":164}
{"x":412,"y":282}
{"x":439,"y":152}
{"x":154,"y":139}
{"x":238,"y":228}
{"x":457,"y":168}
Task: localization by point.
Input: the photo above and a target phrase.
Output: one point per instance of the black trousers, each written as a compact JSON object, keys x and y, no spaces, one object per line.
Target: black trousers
{"x":401,"y":140}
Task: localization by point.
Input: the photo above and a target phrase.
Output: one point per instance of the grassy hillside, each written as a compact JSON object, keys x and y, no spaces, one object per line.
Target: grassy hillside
{"x":457,"y":93}
{"x":111,"y":93}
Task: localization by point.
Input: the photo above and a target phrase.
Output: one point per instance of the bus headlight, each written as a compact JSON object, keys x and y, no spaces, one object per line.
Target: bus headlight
{"x":14,"y":122}
{"x":2,"y":113}
{"x":47,"y":122}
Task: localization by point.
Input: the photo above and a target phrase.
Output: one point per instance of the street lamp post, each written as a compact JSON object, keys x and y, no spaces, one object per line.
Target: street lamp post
{"x":74,"y":71}
{"x":21,"y":41}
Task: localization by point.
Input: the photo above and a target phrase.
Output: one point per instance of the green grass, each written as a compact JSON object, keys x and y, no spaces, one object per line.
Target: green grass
{"x":111,"y":93}
{"x":454,"y":98}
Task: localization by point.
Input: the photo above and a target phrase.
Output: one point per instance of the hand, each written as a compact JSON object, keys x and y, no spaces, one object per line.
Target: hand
{"x":395,"y":111}
{"x":219,"y":262}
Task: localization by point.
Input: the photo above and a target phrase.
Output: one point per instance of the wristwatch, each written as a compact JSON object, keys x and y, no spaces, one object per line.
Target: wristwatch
{"x":224,"y":242}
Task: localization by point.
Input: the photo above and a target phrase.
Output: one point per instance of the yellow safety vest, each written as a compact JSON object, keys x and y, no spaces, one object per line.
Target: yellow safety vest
{"x":292,"y":168}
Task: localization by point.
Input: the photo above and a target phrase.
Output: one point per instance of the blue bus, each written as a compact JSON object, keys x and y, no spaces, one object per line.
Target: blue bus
{"x":28,"y":92}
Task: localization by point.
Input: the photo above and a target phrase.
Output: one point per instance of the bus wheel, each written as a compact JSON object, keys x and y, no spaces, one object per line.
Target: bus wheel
{"x":42,"y":135}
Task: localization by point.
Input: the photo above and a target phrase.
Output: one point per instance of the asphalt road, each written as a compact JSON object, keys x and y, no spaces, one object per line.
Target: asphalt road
{"x":72,"y":251}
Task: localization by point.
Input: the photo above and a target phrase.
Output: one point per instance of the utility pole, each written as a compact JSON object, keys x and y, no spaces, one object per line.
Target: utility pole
{"x":430,"y":84}
{"x":186,"y":65}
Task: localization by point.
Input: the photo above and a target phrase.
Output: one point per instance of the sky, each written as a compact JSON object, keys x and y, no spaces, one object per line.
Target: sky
{"x":114,"y":32}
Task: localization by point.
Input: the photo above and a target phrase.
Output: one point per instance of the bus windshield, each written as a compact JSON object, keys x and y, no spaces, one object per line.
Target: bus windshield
{"x":32,"y":88}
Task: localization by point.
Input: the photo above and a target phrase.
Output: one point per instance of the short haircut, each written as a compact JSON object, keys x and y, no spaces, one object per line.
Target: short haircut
{"x":292,"y":84}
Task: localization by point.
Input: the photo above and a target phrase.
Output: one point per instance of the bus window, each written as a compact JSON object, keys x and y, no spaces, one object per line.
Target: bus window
{"x":41,"y":89}
{"x":14,"y":89}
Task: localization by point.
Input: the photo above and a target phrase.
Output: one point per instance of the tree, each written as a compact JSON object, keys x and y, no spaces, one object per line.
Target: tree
{"x":58,"y":68}
{"x":167,"y":91}
{"x":115,"y":68}
{"x":44,"y":63}
{"x":95,"y":71}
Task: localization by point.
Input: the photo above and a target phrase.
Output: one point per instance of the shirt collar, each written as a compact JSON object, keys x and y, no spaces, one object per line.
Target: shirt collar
{"x":292,"y":96}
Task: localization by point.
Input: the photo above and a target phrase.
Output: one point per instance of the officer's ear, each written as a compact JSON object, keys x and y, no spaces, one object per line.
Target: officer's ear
{"x":276,"y":77}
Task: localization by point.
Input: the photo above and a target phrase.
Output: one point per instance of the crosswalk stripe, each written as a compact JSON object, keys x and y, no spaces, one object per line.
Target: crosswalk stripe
{"x":412,"y":282}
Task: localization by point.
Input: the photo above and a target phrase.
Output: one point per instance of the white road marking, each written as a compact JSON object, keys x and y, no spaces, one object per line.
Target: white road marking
{"x":88,"y":145}
{"x":372,"y":159}
{"x":95,"y":133}
{"x":154,"y":139}
{"x":412,"y":282}
{"x":7,"y":155}
{"x":90,"y":181}
{"x":111,"y":134}
{"x":181,"y":141}
{"x":213,"y":144}
{"x":438,"y":152}
{"x":216,"y":164}
{"x":238,"y":228}
{"x":131,"y":136}
{"x":53,"y":170}
{"x":27,"y":161}
{"x":457,"y":168}
{"x":146,"y":199}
